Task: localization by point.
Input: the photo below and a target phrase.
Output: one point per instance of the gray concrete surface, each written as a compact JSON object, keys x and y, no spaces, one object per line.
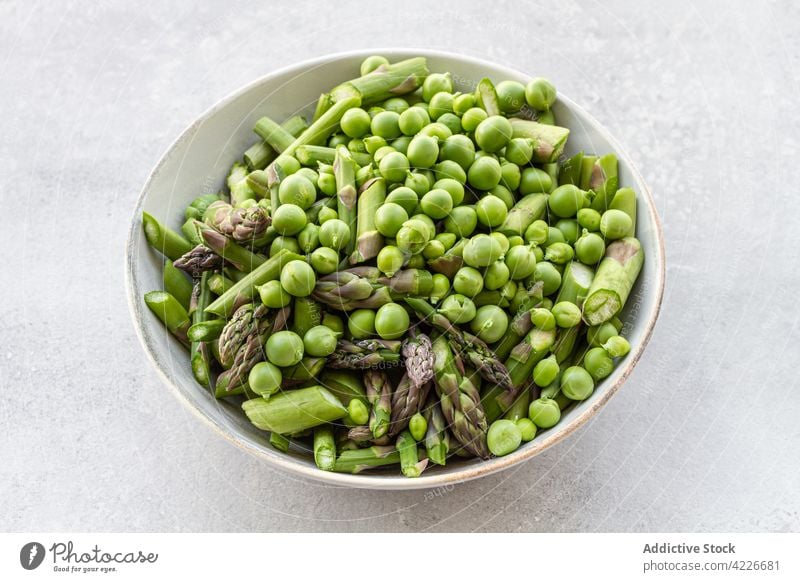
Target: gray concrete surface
{"x":704,"y":95}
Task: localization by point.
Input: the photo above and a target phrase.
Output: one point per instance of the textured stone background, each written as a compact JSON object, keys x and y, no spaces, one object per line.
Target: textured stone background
{"x":704,"y":96}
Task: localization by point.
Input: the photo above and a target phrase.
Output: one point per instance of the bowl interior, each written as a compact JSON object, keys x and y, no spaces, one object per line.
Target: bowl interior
{"x":198,"y":163}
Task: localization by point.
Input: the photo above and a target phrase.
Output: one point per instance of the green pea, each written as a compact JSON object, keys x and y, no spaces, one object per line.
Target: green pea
{"x":391,"y":321}
{"x":396,"y":104}
{"x":386,"y":124}
{"x":503,"y":240}
{"x":548,"y":275}
{"x":538,"y":253}
{"x":484,"y":173}
{"x":459,"y":149}
{"x":536,"y":233}
{"x":503,"y":437}
{"x":334,"y":322}
{"x":319,"y":341}
{"x":510,"y":175}
{"x":617,"y":346}
{"x":401,"y":144}
{"x":390,"y":260}
{"x":355,"y":122}
{"x":356,"y":145}
{"x":491,"y":211}
{"x":540,"y":94}
{"x":567,"y":314}
{"x":418,"y":183}
{"x":436,"y":83}
{"x":576,"y":383}
{"x":338,"y":139}
{"x":503,"y":194}
{"x":273,"y":295}
{"x":468,"y":281}
{"x":297,"y":189}
{"x":308,"y":238}
{"x":451,"y":121}
{"x":521,"y":261}
{"x":615,"y":224}
{"x":361,"y":323}
{"x":598,"y":363}
{"x":546,"y":371}
{"x":493,"y":133}
{"x":490,"y":323}
{"x":265,"y":378}
{"x":309,"y":173}
{"x":544,"y":412}
{"x":570,"y":229}
{"x":515,"y":240}
{"x":325,"y":260}
{"x":566,"y":200}
{"x":510,"y":96}
{"x":327,"y":184}
{"x":590,"y":248}
{"x":404,"y":197}
{"x":462,"y":222}
{"x":373,"y":143}
{"x":554,"y":236}
{"x":589,"y":219}
{"x":394,"y":167}
{"x":526,"y":428}
{"x":288,"y":164}
{"x":298,"y":278}
{"x":473,"y":118}
{"x":382,"y":153}
{"x":497,"y":274}
{"x":423,"y":151}
{"x":389,"y":218}
{"x":373,"y":62}
{"x":559,"y":253}
{"x":463,"y":103}
{"x":519,"y":151}
{"x":440,"y":104}
{"x":417,"y":426}
{"x":358,"y":412}
{"x":326,"y":214}
{"x":433,"y":250}
{"x":289,"y":219}
{"x":441,"y":287}
{"x":482,"y":250}
{"x":284,"y":348}
{"x":450,"y":169}
{"x":458,"y":308}
{"x":413,"y":236}
{"x":543,"y":319}
{"x":334,"y":234}
{"x":284,"y":242}
{"x":455,"y":188}
{"x":412,"y":120}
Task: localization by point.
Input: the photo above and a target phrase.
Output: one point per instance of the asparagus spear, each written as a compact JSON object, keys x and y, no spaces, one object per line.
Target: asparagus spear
{"x":565,"y":343}
{"x":258,"y":155}
{"x":548,"y":140}
{"x":324,"y":447}
{"x":460,"y":401}
{"x":369,"y":241}
{"x":176,"y":284}
{"x":244,"y":225}
{"x":273,"y":134}
{"x":521,"y":324}
{"x":604,"y":181}
{"x":306,"y":369}
{"x":279,"y":441}
{"x":570,"y":171}
{"x":486,"y":97}
{"x":450,"y":262}
{"x":437,"y":439}
{"x":307,"y":314}
{"x":410,"y":464}
{"x":587,"y":167}
{"x":219,"y":283}
{"x":357,"y":460}
{"x":198,"y":260}
{"x":379,"y":394}
{"x":205,"y":331}
{"x":166,"y":241}
{"x":295,"y":410}
{"x":170,"y":312}
{"x":235,"y":254}
{"x":346,"y":385}
{"x":311,"y":155}
{"x":625,"y":200}
{"x":241,"y":344}
{"x":364,"y":354}
{"x":575,"y":283}
{"x":523,"y":358}
{"x":344,"y":170}
{"x":527,"y":210}
{"x":238,"y":184}
{"x":200,"y":355}
{"x":245,"y":290}
{"x":384,"y":82}
{"x":613,"y":281}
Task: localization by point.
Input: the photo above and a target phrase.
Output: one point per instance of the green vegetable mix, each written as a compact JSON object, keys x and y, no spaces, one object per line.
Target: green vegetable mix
{"x":415,"y":273}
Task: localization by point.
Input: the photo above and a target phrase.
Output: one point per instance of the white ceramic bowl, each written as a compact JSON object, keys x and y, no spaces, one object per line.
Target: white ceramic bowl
{"x":198,"y":162}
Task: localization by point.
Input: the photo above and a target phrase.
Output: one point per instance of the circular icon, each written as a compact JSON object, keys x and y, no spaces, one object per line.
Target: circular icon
{"x":31,"y":555}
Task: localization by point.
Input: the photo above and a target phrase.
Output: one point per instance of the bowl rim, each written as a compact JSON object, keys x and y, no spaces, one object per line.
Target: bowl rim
{"x":366,"y":481}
